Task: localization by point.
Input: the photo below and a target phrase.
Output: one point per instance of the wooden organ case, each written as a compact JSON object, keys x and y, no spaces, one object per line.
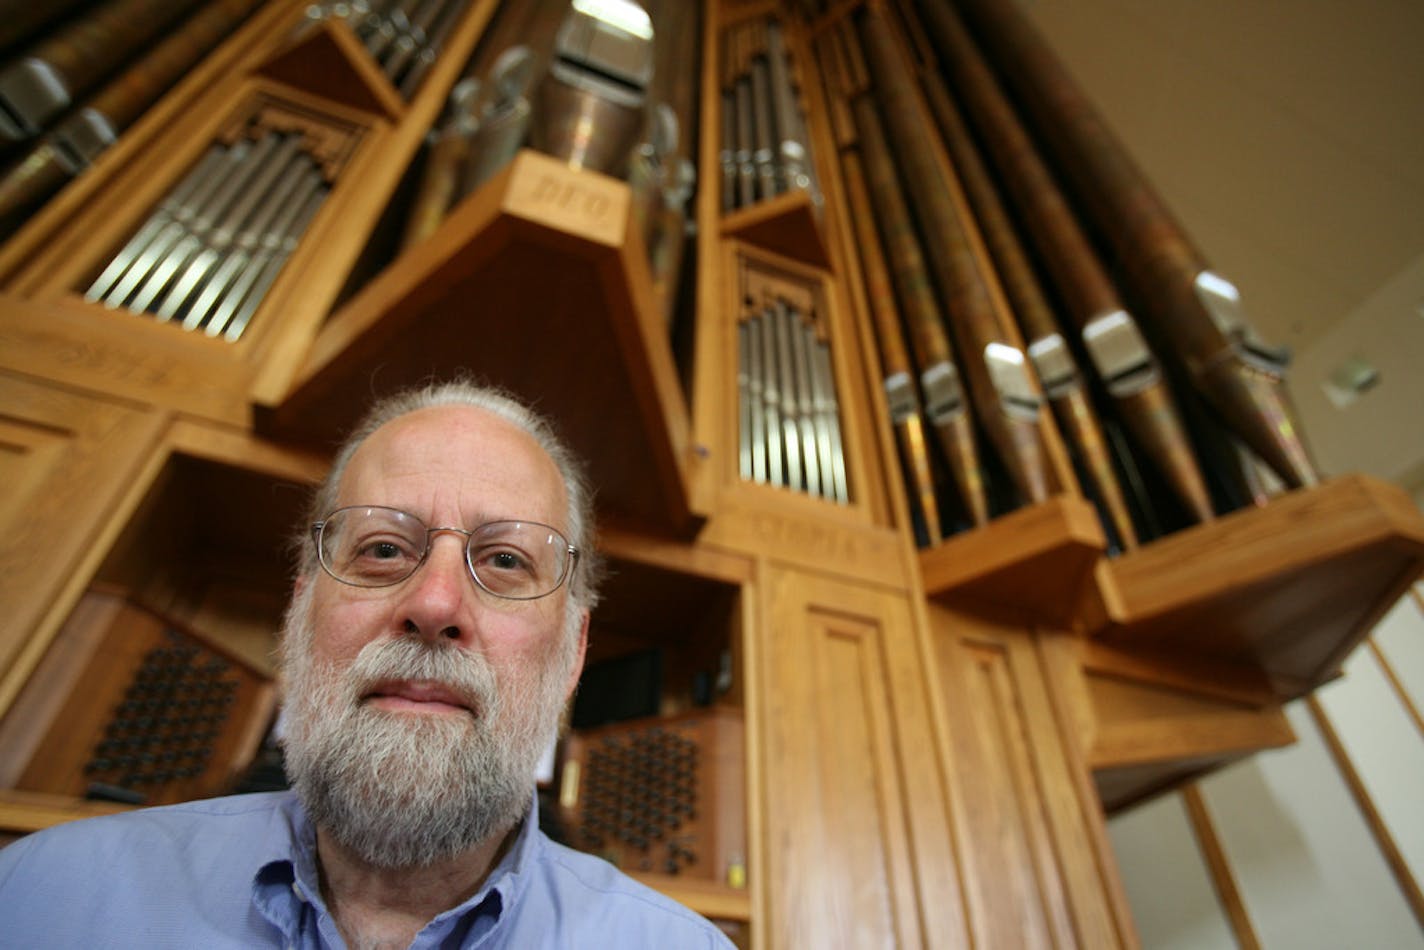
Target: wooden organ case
{"x":662,"y":795}
{"x":914,"y":745}
{"x":134,"y":710}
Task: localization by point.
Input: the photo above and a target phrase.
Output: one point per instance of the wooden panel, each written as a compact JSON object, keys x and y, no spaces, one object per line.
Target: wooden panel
{"x":67,"y":460}
{"x":857,"y":831}
{"x":1289,"y":589}
{"x":330,"y":61}
{"x":128,"y":702}
{"x":87,"y":346}
{"x":662,"y":796}
{"x":710,"y":900}
{"x":808,"y":532}
{"x":1176,"y":670}
{"x":536,"y":283}
{"x":194,"y":518}
{"x":1030,"y":826}
{"x":1003,"y":819}
{"x":1140,"y":723}
{"x":1147,"y":722}
{"x":204,"y":533}
{"x":24,"y":812}
{"x":785,"y":224}
{"x":27,"y":456}
{"x":1038,"y":560}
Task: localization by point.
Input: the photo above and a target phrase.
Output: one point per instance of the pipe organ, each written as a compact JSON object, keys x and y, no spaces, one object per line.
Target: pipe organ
{"x":928,"y":447}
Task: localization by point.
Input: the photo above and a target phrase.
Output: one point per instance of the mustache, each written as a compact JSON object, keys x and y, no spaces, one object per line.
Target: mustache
{"x":465,"y":674}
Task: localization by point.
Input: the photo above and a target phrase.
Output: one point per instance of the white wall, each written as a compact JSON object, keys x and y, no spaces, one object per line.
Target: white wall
{"x":1382,"y":431}
{"x":1309,"y":870}
{"x":1169,"y":887}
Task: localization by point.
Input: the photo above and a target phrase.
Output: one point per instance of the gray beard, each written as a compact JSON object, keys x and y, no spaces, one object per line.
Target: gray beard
{"x":410,"y":790}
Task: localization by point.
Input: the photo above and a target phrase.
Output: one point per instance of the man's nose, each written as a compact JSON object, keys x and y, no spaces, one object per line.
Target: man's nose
{"x":434,"y":598}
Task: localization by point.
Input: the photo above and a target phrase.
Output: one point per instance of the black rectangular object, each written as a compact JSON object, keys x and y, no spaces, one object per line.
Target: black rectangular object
{"x":623,"y":687}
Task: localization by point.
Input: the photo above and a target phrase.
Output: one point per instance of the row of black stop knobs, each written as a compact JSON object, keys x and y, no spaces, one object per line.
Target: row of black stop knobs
{"x":171,"y":712}
{"x":639,"y":790}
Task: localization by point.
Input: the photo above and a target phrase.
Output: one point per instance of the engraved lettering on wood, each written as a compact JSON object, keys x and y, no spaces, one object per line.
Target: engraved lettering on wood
{"x":101,"y":359}
{"x":829,"y":545}
{"x":569,"y":198}
{"x":867,"y":555}
{"x":582,"y":204}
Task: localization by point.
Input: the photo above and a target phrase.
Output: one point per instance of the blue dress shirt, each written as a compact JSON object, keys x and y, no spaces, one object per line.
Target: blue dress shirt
{"x":241,"y":872}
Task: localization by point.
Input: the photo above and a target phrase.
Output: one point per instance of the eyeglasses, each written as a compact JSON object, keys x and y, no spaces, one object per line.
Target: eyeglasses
{"x":368,"y":546}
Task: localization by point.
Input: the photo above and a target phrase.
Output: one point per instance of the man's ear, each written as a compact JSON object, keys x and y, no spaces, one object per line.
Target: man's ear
{"x":577,"y":670}
{"x":277,"y":653}
{"x":299,"y":586}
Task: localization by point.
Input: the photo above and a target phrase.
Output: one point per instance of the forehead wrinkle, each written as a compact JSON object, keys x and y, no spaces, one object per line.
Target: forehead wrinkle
{"x":456,"y":461}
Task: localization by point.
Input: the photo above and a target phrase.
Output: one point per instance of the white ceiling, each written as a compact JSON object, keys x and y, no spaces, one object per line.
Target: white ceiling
{"x":1287,"y":134}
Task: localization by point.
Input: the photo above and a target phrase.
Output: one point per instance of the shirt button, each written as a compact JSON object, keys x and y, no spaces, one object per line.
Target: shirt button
{"x":297,"y":890}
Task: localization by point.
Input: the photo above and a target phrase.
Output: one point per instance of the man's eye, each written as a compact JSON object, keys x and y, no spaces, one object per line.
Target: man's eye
{"x":504,"y":561}
{"x":383,"y":549}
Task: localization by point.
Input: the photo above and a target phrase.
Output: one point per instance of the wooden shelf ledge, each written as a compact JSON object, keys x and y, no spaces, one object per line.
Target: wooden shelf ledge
{"x":1289,"y":589}
{"x":786,"y":224}
{"x":1146,"y":722}
{"x":1151,"y":732}
{"x":1121,"y":787}
{"x":537,"y":283}
{"x":24,"y":812}
{"x":1038,"y":560}
{"x":708,"y":898}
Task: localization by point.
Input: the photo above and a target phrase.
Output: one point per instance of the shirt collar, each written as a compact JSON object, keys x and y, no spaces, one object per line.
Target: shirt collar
{"x":285,"y":876}
{"x":506,"y":881}
{"x":285,"y":879}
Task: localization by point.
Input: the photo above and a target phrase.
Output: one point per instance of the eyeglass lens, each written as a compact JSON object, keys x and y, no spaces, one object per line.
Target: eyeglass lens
{"x":378,"y":547}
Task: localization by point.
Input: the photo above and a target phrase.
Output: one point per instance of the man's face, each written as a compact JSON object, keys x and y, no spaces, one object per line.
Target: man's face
{"x":447,"y":466}
{"x":416,"y":712}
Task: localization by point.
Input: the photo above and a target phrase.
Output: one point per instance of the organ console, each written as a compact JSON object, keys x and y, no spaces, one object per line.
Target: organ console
{"x":920,"y":743}
{"x":660,"y":795}
{"x":130,"y":707}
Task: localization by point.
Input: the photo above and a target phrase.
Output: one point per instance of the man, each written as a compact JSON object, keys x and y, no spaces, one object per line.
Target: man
{"x":437,"y":629}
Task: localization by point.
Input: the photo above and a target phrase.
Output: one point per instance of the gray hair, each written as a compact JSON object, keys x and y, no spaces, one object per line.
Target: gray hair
{"x":588,"y":572}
